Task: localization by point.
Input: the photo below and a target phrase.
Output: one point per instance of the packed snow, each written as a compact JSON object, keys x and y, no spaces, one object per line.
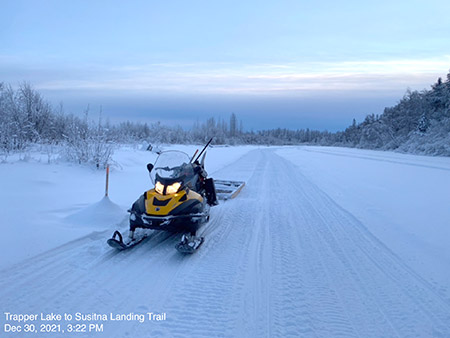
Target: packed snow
{"x":402,"y":199}
{"x":321,"y":242}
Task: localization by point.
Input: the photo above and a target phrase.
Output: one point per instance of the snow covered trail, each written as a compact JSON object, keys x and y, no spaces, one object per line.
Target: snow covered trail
{"x":281,"y":260}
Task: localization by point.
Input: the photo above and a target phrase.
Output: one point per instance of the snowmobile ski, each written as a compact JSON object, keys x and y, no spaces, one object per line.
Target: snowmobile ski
{"x":116,"y":241}
{"x":189,"y":244}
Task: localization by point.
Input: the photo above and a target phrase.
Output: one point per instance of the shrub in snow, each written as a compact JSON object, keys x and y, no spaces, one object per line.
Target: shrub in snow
{"x":88,"y":143}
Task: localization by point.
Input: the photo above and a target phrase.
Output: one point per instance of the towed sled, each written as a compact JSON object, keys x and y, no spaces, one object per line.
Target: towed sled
{"x":228,"y":189}
{"x":180,"y":201}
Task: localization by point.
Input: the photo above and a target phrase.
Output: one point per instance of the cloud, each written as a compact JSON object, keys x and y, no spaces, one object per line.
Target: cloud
{"x":304,"y":78}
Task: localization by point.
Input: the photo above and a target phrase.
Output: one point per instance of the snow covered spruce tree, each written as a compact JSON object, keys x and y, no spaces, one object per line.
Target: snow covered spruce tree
{"x":423,"y":124}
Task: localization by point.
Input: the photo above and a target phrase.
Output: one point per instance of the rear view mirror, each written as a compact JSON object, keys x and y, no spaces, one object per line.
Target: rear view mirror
{"x":149,"y":167}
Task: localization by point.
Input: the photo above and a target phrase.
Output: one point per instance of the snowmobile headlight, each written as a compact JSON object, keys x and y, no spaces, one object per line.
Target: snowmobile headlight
{"x":159,"y":187}
{"x":173,"y":188}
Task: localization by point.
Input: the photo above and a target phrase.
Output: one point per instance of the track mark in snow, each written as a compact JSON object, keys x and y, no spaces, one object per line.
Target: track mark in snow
{"x":378,"y":158}
{"x":384,"y":296}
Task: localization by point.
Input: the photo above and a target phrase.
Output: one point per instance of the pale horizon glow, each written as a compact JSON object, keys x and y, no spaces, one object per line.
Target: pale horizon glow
{"x":247,"y":79}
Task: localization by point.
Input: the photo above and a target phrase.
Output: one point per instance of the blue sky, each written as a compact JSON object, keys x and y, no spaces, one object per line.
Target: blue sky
{"x":292,"y":64}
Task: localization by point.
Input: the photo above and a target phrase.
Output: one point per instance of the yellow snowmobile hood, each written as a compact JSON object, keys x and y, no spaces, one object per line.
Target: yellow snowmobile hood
{"x":162,"y":205}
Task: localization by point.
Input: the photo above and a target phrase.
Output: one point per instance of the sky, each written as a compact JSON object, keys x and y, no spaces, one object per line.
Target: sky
{"x":289,"y":64}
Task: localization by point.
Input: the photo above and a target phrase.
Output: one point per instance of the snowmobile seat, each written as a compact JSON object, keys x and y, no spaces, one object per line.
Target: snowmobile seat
{"x":210,"y":191}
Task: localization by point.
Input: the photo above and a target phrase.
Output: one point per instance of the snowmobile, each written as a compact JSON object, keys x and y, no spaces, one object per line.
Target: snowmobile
{"x":179,"y":202}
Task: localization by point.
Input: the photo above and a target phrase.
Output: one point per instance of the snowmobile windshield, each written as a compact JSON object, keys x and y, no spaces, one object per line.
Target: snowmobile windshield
{"x":173,"y":166}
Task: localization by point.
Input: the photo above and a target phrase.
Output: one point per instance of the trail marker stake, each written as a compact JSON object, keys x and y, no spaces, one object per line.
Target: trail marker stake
{"x":107,"y":180}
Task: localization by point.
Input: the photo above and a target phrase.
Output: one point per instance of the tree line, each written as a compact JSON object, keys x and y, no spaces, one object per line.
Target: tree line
{"x":418,"y":123}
